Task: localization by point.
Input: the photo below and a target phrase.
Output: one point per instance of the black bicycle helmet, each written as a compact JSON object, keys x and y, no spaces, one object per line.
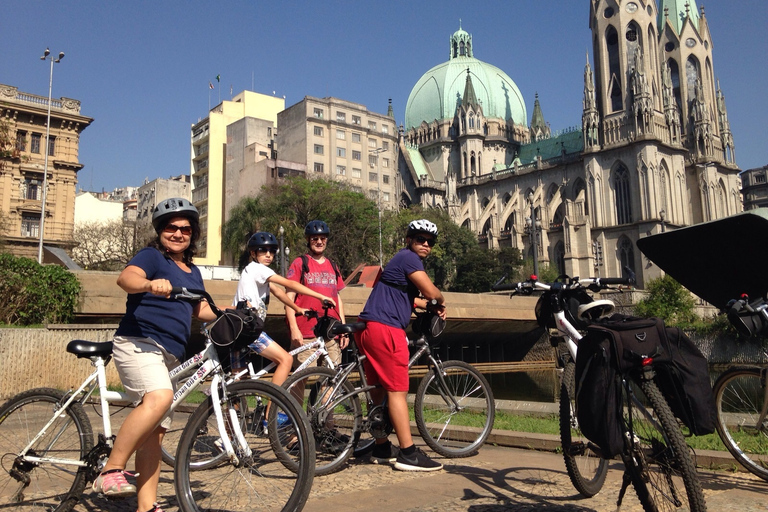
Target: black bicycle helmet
{"x":262,"y":240}
{"x":173,"y":207}
{"x":421,"y":226}
{"x":317,"y":227}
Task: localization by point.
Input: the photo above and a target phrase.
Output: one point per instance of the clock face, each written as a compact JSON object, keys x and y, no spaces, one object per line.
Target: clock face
{"x":631,"y":7}
{"x":690,"y":42}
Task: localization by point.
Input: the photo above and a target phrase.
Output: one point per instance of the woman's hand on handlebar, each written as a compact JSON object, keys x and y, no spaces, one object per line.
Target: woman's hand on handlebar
{"x":160,"y":287}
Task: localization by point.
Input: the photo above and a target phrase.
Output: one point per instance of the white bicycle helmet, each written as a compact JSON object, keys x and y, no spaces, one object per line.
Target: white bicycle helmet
{"x":421,"y":226}
{"x":595,"y":310}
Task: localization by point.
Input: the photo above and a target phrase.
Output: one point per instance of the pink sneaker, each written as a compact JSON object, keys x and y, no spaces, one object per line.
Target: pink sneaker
{"x":113,"y":484}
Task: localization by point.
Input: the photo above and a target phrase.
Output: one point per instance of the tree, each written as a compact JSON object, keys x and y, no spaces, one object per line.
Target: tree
{"x":105,"y":245}
{"x":352,"y":217}
{"x":668,"y":300}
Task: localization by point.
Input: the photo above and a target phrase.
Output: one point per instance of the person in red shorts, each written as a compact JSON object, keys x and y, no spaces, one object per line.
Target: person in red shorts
{"x":403,"y":286}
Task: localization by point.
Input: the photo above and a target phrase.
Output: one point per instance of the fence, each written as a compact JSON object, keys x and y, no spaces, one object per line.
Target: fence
{"x":34,"y":358}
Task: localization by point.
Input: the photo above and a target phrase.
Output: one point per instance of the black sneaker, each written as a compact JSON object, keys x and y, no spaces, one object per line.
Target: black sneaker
{"x":385,"y":453}
{"x":417,"y":461}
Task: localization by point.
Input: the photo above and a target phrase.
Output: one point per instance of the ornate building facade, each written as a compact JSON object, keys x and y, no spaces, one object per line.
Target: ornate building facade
{"x":654,"y":150}
{"x":24,"y":117}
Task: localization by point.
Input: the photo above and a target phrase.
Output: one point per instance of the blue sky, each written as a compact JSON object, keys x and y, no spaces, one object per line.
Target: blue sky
{"x":141,"y":68}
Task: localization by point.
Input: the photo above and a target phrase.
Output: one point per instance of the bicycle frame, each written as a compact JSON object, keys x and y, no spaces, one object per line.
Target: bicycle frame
{"x":201,"y":365}
{"x":319,"y":351}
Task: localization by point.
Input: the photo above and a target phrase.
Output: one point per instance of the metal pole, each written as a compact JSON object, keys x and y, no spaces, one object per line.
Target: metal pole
{"x":282,"y":251}
{"x":377,"y":151}
{"x":534,"y":236}
{"x":47,"y":150}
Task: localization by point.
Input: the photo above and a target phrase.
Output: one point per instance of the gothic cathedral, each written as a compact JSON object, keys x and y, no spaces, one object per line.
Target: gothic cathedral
{"x":654,"y":150}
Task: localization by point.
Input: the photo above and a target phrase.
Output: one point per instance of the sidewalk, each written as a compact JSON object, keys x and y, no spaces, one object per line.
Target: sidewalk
{"x":497,"y":479}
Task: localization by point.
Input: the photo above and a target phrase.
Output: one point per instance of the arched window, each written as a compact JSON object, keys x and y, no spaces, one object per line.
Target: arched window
{"x":485,"y":202}
{"x":692,"y":75}
{"x":674,"y":72}
{"x":472,"y":121}
{"x":623,"y":198}
{"x":626,"y":255}
{"x":505,"y":200}
{"x":558,"y":254}
{"x":614,"y":68}
{"x":510,"y":223}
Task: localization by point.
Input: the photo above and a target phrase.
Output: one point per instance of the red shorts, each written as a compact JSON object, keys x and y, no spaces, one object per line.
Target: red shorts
{"x":387,"y":354}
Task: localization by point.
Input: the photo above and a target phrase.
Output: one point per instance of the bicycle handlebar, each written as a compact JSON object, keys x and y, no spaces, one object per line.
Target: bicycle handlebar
{"x":593,"y":283}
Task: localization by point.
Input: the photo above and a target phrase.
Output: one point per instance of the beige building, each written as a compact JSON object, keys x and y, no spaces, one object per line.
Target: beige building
{"x":654,"y":148}
{"x":152,"y":192}
{"x":90,"y":209}
{"x":21,"y":175}
{"x":208,"y":163}
{"x":343,"y":141}
{"x":754,"y":187}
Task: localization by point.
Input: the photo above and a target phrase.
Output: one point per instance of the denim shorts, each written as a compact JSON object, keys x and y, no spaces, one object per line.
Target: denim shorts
{"x":239,"y":359}
{"x":143,"y":367}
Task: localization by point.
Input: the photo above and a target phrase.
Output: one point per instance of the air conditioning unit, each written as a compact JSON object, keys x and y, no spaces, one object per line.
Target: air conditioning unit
{"x":373,"y":165}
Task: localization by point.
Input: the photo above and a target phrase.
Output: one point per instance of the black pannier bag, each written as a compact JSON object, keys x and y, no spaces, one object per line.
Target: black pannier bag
{"x":235,"y":329}
{"x":684,"y":382}
{"x":598,"y":394}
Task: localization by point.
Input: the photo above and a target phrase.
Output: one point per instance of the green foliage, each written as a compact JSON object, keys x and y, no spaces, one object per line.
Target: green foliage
{"x":352,"y":217}
{"x":31,"y":293}
{"x":668,"y":300}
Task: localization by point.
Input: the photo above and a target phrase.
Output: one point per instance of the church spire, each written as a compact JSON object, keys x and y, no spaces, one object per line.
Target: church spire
{"x":539,"y":128}
{"x":590,"y":118}
{"x":390,"y":110}
{"x":469,"y":99}
{"x":677,"y":12}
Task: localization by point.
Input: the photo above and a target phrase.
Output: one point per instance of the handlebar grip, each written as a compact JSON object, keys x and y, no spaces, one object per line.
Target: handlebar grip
{"x":616,"y":280}
{"x":504,"y":287}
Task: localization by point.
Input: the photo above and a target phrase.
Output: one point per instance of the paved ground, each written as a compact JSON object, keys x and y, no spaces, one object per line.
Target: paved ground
{"x":497,"y":479}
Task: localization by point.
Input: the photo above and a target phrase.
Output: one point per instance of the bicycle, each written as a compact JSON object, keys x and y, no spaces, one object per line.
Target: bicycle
{"x":655,"y":456}
{"x":172,"y":436}
{"x":448,"y":390}
{"x":741,"y":395}
{"x":48,"y":455}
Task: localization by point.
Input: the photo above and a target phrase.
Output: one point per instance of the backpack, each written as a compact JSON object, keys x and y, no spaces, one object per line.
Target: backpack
{"x":684,"y":382}
{"x":305,"y":268}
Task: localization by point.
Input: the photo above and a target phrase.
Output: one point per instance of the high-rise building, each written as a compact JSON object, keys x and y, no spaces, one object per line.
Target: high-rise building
{"x":208,"y":163}
{"x":343,"y":141}
{"x":23,"y":118}
{"x":654,"y":149}
{"x":754,"y":187}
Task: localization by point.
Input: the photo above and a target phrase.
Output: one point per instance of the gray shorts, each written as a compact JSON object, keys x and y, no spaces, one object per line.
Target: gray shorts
{"x":143,"y":367}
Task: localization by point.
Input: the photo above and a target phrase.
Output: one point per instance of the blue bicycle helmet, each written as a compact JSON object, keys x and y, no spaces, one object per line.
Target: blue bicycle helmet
{"x":317,"y":227}
{"x":262,"y":240}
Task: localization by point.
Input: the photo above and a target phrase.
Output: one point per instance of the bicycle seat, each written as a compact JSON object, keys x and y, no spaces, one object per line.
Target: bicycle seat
{"x":348,"y":328}
{"x":83,"y":348}
{"x":595,"y":310}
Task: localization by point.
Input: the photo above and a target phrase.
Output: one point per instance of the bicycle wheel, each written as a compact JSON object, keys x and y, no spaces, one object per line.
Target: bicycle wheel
{"x":336,"y":431}
{"x":659,"y":463}
{"x":740,"y":397}
{"x":49,"y":486}
{"x":449,"y":430}
{"x":255,"y":478}
{"x":586,"y":469}
{"x":201,"y":459}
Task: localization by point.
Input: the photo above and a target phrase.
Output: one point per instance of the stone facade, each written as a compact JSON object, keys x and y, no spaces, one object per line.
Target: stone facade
{"x":22,"y":174}
{"x":654,"y":149}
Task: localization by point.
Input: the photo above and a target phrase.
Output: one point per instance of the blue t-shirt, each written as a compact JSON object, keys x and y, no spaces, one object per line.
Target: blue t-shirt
{"x":392,"y":305}
{"x":168,"y":322}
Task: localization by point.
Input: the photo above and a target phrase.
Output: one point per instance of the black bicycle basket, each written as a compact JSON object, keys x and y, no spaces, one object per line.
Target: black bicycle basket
{"x":428,"y":324}
{"x":748,"y":321}
{"x":324,"y":327}
{"x":235,"y":329}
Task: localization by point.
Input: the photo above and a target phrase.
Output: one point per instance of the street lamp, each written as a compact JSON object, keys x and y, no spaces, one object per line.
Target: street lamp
{"x":46,"y":56}
{"x":663,"y":217}
{"x":533,"y":226}
{"x":378,"y":184}
{"x":281,"y":232}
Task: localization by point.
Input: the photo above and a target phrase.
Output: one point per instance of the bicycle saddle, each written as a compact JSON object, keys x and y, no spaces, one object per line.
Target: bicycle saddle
{"x":595,"y":310}
{"x":83,"y":348}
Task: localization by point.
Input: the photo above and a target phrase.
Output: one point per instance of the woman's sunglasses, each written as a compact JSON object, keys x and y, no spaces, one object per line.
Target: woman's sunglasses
{"x":267,"y":250}
{"x":173,"y":228}
{"x":421,"y":239}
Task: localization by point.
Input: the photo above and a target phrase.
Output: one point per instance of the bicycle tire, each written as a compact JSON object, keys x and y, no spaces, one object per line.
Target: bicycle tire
{"x":335,"y":435}
{"x":434,"y":416}
{"x":256,"y":480}
{"x":586,"y":469}
{"x":659,"y":462}
{"x":51,"y":487}
{"x":739,"y":397}
{"x":171,"y":443}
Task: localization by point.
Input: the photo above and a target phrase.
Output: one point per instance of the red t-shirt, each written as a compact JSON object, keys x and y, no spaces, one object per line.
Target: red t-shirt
{"x":320,"y":278}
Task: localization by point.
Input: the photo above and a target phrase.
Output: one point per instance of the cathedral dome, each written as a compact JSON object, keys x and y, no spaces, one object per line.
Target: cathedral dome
{"x":439,"y":90}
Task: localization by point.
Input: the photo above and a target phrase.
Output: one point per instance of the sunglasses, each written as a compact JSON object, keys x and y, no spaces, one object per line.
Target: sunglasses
{"x":267,"y":250}
{"x":319,"y":239}
{"x":173,"y":228}
{"x":421,"y":239}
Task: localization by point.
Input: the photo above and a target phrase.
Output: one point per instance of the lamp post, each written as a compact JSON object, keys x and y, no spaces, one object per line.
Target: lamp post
{"x":533,"y":225}
{"x":46,"y":56}
{"x":663,"y":217}
{"x":378,"y":184}
{"x":281,"y":231}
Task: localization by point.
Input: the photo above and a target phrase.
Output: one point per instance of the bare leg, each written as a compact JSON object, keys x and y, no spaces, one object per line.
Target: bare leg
{"x":148,"y":458}
{"x":138,"y":426}
{"x":398,"y":415}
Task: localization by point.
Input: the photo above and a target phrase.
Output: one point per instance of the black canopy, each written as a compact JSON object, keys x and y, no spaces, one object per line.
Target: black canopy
{"x":717,"y":260}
